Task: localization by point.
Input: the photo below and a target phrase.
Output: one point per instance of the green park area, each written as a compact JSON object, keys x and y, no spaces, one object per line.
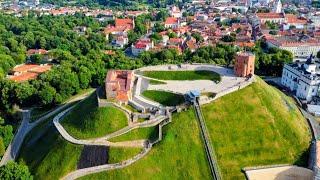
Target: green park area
{"x":180,"y":155}
{"x":258,"y":125}
{"x":163,"y":97}
{"x":51,"y":157}
{"x":136,"y":134}
{"x":183,"y":75}
{"x":87,"y":120}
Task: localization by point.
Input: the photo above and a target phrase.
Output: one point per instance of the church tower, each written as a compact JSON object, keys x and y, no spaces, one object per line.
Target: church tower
{"x":278,"y":7}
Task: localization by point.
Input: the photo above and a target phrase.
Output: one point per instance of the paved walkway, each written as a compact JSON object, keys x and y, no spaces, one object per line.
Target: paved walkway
{"x":14,"y":147}
{"x":103,"y":140}
{"x":86,"y":171}
{"x":160,"y":120}
{"x":228,"y":79}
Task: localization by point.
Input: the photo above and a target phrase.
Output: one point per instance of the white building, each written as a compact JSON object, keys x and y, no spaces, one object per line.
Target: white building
{"x":302,"y":78}
{"x":141,"y":46}
{"x":271,"y":17}
{"x":172,"y":22}
{"x":299,"y":48}
{"x":175,"y":12}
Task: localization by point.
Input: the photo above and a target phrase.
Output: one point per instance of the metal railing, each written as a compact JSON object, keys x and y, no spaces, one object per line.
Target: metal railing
{"x":207,"y":143}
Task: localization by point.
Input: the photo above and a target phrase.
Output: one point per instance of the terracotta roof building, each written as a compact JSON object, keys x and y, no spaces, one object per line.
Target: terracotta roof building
{"x":271,"y":17}
{"x":297,"y":46}
{"x":127,"y":23}
{"x":27,"y":72}
{"x":119,"y":84}
{"x":31,"y":52}
{"x":172,"y":22}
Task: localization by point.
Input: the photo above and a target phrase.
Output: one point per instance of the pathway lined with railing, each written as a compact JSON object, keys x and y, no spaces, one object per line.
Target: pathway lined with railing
{"x":207,"y":143}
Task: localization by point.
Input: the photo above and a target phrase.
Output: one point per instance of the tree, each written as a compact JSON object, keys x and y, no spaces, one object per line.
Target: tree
{"x":23,"y":93}
{"x":156,"y":37}
{"x":14,"y":170}
{"x":36,"y":58}
{"x":172,"y":35}
{"x":47,"y":94}
{"x":197,"y":36}
{"x":6,"y":62}
{"x":162,"y":15}
{"x":273,"y":32}
{"x":6,"y":132}
{"x":318,"y":54}
{"x":2,"y":147}
{"x":228,"y":38}
{"x":158,"y":27}
{"x":84,"y":75}
{"x":292,"y":27}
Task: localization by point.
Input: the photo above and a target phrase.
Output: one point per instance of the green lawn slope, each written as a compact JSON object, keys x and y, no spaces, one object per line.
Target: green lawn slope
{"x":180,"y":155}
{"x":163,"y":97}
{"x":51,"y":156}
{"x":183,"y":75}
{"x":87,"y":120}
{"x":257,"y":125}
{"x":136,"y":134}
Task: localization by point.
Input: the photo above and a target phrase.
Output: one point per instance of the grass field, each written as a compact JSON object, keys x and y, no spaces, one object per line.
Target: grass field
{"x":87,"y":120}
{"x":50,"y":157}
{"x":130,"y":108}
{"x":180,"y":155}
{"x":121,"y":154}
{"x":164,"y":98}
{"x":257,"y":125}
{"x":183,"y":75}
{"x":156,"y":82}
{"x":141,"y":133}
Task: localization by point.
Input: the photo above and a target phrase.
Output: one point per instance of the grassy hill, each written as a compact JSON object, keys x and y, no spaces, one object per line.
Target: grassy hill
{"x":87,"y":120}
{"x":183,"y":75}
{"x":180,"y":155}
{"x":258,"y":125}
{"x":51,"y":157}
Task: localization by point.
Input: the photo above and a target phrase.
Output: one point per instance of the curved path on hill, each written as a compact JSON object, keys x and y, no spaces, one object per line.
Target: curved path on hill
{"x":96,"y":169}
{"x":160,"y":120}
{"x":103,"y":140}
{"x":14,"y":147}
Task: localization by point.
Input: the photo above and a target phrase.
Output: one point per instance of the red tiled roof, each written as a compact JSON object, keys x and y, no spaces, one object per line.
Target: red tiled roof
{"x":124,"y":23}
{"x":293,"y":19}
{"x":245,"y":44}
{"x":270,"y":15}
{"x":36,"y":51}
{"x":119,"y":82}
{"x":24,"y":77}
{"x":175,"y":40}
{"x":40,"y":69}
{"x":140,"y":45}
{"x":24,"y":67}
{"x":171,"y":20}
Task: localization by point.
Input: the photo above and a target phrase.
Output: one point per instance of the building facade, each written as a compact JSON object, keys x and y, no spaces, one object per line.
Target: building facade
{"x":296,"y":47}
{"x":244,"y":64}
{"x":302,"y":79}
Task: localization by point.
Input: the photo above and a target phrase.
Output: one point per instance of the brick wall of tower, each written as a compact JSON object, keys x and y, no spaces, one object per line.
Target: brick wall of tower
{"x":244,"y":64}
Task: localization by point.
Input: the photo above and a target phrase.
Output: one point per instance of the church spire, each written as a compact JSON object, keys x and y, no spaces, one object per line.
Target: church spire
{"x":278,"y":7}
